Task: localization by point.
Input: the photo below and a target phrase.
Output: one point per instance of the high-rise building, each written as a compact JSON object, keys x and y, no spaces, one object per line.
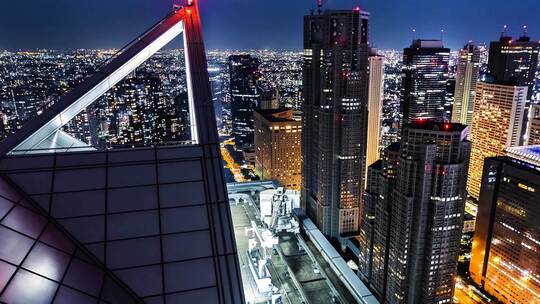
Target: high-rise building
{"x":376,"y":219}
{"x":497,"y":124}
{"x":334,"y":131}
{"x":413,"y":218}
{"x":504,"y":258}
{"x":425,"y":74}
{"x":278,"y":134}
{"x":79,"y":224}
{"x":533,"y":133}
{"x":245,"y":97}
{"x":514,"y":61}
{"x":375,"y":103}
{"x":449,"y":97}
{"x":270,"y":100}
{"x":468,"y":70}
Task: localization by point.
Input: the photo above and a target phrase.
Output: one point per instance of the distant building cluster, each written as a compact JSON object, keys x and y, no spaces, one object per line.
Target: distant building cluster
{"x":423,"y":164}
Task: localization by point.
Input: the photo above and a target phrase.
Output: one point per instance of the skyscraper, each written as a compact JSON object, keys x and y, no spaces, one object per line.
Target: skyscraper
{"x":497,"y":124}
{"x":468,"y":69}
{"x":334,"y":131}
{"x":533,"y":135}
{"x":245,"y":97}
{"x":505,"y":259}
{"x":416,"y":197}
{"x":375,"y":102}
{"x":514,"y":61}
{"x":278,"y":134}
{"x":376,"y":219}
{"x":425,"y":73}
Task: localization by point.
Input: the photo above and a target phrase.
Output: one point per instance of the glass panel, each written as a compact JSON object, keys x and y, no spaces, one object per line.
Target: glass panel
{"x":14,"y":246}
{"x":87,"y":229}
{"x":47,"y":262}
{"x":84,"y":276}
{"x":25,"y":221}
{"x":180,"y":276}
{"x":184,"y":219}
{"x":69,"y":296}
{"x":132,"y":199}
{"x":78,"y":203}
{"x":28,"y":288}
{"x":175,"y":249}
{"x":132,"y":253}
{"x":6,"y":271}
{"x":145,"y":281}
{"x":174,"y":195}
{"x":133,"y":224}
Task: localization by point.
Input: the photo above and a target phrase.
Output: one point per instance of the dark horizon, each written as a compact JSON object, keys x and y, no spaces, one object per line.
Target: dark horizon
{"x":244,"y":25}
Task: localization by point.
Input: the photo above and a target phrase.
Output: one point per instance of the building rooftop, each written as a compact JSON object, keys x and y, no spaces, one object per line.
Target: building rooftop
{"x":427,"y":43}
{"x":529,"y":154}
{"x":277,"y":115}
{"x":430,"y":125}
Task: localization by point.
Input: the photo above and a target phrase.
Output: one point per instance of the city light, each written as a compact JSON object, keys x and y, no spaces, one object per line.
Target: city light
{"x":276,"y":155}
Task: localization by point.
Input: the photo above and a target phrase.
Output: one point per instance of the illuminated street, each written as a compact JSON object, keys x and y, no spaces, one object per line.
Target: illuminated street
{"x":468,"y":294}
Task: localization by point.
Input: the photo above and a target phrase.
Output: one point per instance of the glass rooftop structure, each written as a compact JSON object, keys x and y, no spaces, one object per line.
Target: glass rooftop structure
{"x":528,"y":154}
{"x":140,"y":225}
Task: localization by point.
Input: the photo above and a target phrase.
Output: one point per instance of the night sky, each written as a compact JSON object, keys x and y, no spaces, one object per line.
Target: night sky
{"x":258,"y":24}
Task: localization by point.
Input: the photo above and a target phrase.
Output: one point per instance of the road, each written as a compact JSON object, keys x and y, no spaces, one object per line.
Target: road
{"x":467,"y":294}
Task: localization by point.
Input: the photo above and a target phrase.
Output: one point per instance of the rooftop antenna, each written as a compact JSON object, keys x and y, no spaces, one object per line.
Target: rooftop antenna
{"x":503,"y":32}
{"x":525,"y":33}
{"x":319,"y":6}
{"x":414,"y":33}
{"x":442,"y":34}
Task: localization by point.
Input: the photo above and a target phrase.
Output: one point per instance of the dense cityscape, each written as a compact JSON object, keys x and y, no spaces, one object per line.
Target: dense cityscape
{"x":340,"y":173}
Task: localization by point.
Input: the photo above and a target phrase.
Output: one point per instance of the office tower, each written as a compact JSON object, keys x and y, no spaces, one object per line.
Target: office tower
{"x":334,"y":131}
{"x":504,"y":257}
{"x":514,"y":61}
{"x":278,"y":134}
{"x":468,"y":70}
{"x":245,"y":97}
{"x":533,"y":135}
{"x":425,"y":73}
{"x":497,"y":124}
{"x":375,"y":102}
{"x":141,"y":225}
{"x":449,"y":97}
{"x":415,"y":202}
{"x":375,"y":222}
{"x":270,"y":100}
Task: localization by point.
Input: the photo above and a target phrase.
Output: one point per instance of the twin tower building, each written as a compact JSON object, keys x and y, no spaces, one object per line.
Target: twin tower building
{"x":407,"y":212}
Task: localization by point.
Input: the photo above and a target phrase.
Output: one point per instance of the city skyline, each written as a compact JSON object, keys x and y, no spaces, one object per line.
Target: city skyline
{"x":227,"y":164}
{"x":66,"y":25}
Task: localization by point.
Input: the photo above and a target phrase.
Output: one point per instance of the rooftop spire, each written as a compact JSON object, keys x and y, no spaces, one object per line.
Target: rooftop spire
{"x":503,"y":32}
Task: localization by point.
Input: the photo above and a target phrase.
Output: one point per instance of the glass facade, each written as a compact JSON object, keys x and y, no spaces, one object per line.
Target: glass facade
{"x":424,"y":77}
{"x":146,"y":216}
{"x":504,"y":257}
{"x":140,"y":225}
{"x":41,"y":264}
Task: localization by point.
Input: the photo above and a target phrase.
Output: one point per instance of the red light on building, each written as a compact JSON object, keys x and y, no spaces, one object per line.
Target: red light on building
{"x":357,"y":8}
{"x":447,"y":126}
